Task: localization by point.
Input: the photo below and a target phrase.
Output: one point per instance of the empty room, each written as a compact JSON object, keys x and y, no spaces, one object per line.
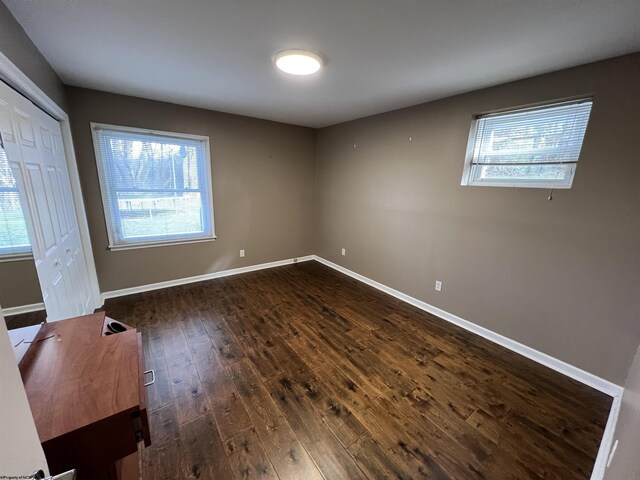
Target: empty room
{"x":319,"y":239}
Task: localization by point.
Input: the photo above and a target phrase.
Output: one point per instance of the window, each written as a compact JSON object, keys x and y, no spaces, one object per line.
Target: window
{"x":14,"y":238}
{"x":534,"y":147}
{"x":156,"y":186}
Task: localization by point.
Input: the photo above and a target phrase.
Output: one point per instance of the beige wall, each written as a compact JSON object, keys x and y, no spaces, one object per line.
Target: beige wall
{"x":19,"y":283}
{"x":18,"y":280}
{"x":18,"y":47}
{"x":625,"y":463}
{"x":262,"y":189}
{"x":561,"y":276}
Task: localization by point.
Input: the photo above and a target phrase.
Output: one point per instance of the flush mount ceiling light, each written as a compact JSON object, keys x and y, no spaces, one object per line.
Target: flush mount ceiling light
{"x":298,"y":62}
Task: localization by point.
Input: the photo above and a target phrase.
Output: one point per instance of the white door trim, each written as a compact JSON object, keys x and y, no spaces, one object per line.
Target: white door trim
{"x":12,"y":75}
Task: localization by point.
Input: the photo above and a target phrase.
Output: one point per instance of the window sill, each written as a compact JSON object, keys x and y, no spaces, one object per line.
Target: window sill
{"x":16,"y":257}
{"x":560,"y":186}
{"x":133,"y":246}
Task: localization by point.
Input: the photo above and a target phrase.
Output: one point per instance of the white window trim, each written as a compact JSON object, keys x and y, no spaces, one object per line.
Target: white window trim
{"x":103,"y":186}
{"x":468,"y":160}
{"x":163,"y":243}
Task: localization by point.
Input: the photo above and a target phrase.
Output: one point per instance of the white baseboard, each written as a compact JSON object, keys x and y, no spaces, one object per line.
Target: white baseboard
{"x":606,"y":443}
{"x":558,"y":365}
{"x":33,"y":307}
{"x":200,"y":278}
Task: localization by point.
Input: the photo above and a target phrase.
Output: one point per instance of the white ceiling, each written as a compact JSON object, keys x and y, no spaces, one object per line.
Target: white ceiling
{"x":381,"y":54}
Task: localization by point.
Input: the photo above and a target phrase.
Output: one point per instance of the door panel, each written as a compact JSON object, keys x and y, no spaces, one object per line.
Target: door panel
{"x":25,"y":129}
{"x":46,"y":139}
{"x":65,"y":212}
{"x":6,"y":126}
{"x":60,"y":217}
{"x":35,"y":183}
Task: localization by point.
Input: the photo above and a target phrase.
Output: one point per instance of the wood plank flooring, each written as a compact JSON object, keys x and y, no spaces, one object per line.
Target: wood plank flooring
{"x":300,"y":372}
{"x":25,"y":319}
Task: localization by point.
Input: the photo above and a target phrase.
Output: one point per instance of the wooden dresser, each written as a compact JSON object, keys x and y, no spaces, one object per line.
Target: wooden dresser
{"x":87,"y":395}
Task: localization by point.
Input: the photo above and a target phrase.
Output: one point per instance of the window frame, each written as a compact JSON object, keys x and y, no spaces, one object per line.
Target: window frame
{"x":467,"y":173}
{"x":12,"y":254}
{"x":106,"y":203}
{"x":8,"y":254}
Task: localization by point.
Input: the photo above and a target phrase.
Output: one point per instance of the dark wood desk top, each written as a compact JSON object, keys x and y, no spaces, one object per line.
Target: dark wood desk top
{"x":74,"y":376}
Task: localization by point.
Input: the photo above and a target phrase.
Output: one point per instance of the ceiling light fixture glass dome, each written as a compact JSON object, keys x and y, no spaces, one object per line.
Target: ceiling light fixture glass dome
{"x":298,"y":62}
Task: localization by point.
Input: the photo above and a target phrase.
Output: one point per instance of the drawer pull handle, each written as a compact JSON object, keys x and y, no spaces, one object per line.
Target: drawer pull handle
{"x":153,"y":377}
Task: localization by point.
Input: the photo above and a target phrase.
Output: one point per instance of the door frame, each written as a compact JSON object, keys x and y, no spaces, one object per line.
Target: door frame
{"x":12,"y":75}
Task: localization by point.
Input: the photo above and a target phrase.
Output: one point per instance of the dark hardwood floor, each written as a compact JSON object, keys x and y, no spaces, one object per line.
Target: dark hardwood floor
{"x":300,"y":372}
{"x":25,"y":319}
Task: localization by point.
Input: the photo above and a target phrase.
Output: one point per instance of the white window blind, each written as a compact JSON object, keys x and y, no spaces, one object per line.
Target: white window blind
{"x":14,"y":237}
{"x":535,"y":147}
{"x":156,"y":186}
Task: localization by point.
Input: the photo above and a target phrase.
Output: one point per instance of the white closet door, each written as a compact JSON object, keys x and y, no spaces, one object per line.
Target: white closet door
{"x":33,"y":144}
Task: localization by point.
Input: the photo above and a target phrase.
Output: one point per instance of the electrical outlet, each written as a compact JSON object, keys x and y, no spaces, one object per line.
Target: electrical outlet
{"x":344,"y":252}
{"x":242,"y":253}
{"x":438,"y":286}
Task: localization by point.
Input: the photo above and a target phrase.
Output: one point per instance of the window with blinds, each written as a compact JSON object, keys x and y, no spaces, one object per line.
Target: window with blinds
{"x":14,"y":237}
{"x":534,"y":147}
{"x":156,"y":186}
